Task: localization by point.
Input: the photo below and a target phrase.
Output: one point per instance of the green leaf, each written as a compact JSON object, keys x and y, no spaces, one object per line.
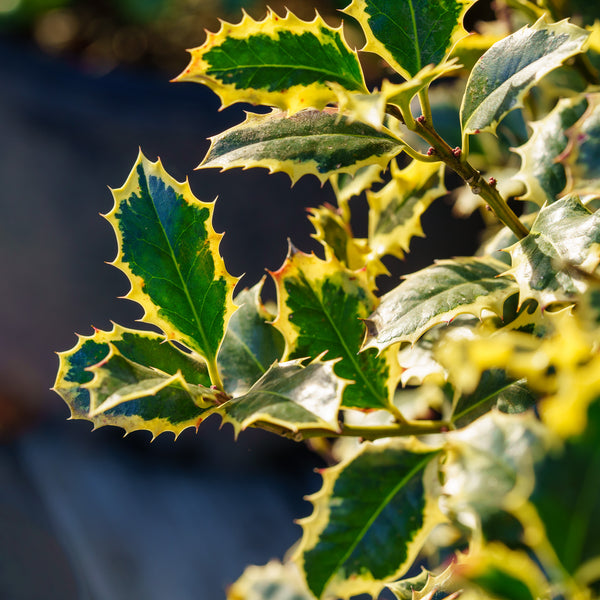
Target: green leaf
{"x":410,"y":34}
{"x":494,"y":390}
{"x":395,"y":210}
{"x":550,"y":264}
{"x":545,"y":177}
{"x":567,"y":496}
{"x":251,"y":343}
{"x":118,"y":380}
{"x":370,"y":519}
{"x":437,"y":294}
{"x":280,"y":61}
{"x":489,"y":463}
{"x":170,"y":252}
{"x":289,"y":399}
{"x":309,"y":142}
{"x":580,"y":157}
{"x":145,"y":349}
{"x":503,"y":75}
{"x":273,"y":581}
{"x":321,"y":307}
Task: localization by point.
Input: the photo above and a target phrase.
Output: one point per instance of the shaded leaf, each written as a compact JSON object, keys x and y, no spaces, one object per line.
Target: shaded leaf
{"x":251,"y":343}
{"x":289,"y":399}
{"x":545,"y":177}
{"x":170,"y":252}
{"x":425,"y":586}
{"x":321,"y":307}
{"x":143,"y":348}
{"x":355,"y":542}
{"x":309,"y":142}
{"x":503,"y":75}
{"x":395,"y":211}
{"x":279,"y":61}
{"x":550,"y":264}
{"x":580,"y":157}
{"x":269,"y":582}
{"x":410,"y":34}
{"x":437,"y":294}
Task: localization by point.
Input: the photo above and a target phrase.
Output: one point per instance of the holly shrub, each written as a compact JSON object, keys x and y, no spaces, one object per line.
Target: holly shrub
{"x":460,"y":411}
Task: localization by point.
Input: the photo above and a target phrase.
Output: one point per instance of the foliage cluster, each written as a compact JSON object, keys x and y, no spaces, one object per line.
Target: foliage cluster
{"x":461,"y":408}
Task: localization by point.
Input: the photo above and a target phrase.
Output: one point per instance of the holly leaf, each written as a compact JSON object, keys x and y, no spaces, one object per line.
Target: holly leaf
{"x":321,"y":307}
{"x":395,"y":211}
{"x":580,"y":157}
{"x":309,"y":142}
{"x":425,"y":586}
{"x":437,"y":294}
{"x":410,"y":34}
{"x":170,"y":252}
{"x":543,"y":176}
{"x":550,"y":264}
{"x":169,"y":412}
{"x":251,"y":343}
{"x":355,"y":543}
{"x":273,"y":580}
{"x":289,"y":399}
{"x":503,"y":75}
{"x":348,"y":186}
{"x":280,"y":61}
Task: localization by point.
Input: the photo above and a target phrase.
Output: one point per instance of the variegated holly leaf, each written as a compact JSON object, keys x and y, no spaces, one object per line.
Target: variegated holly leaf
{"x":489,"y":464}
{"x":437,"y":294}
{"x":280,"y":61}
{"x":356,"y":542}
{"x":310,"y":142}
{"x":494,"y":390}
{"x":425,"y":586}
{"x":503,"y":75}
{"x":580,"y":157}
{"x":289,"y":399}
{"x":395,"y":210}
{"x":251,"y":343}
{"x":321,"y":307}
{"x":118,"y":381}
{"x":273,"y":580}
{"x":169,"y":411}
{"x":410,"y":34}
{"x":501,"y":573}
{"x":348,"y":186}
{"x":545,"y":177}
{"x":550,"y":264}
{"x":170,"y":252}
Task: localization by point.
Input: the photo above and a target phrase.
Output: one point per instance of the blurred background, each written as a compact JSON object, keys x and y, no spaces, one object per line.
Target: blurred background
{"x":95,"y":515}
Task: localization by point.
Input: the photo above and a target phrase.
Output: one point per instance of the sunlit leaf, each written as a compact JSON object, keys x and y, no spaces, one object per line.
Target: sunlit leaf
{"x":321,"y":307}
{"x":280,"y":61}
{"x":309,"y":142}
{"x":369,"y":521}
{"x":170,"y":252}
{"x":410,"y":34}
{"x":437,"y":294}
{"x":503,"y":75}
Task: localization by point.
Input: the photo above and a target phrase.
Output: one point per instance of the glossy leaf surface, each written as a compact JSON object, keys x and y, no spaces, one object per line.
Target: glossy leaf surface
{"x":170,"y":412}
{"x":410,"y":34}
{"x":289,"y":399}
{"x":544,"y":177}
{"x":309,"y":142}
{"x":502,"y":76}
{"x":562,"y":241}
{"x":321,"y":305}
{"x":353,"y":543}
{"x":251,"y":344}
{"x":437,"y":294}
{"x":279,"y":61}
{"x":170,"y":252}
